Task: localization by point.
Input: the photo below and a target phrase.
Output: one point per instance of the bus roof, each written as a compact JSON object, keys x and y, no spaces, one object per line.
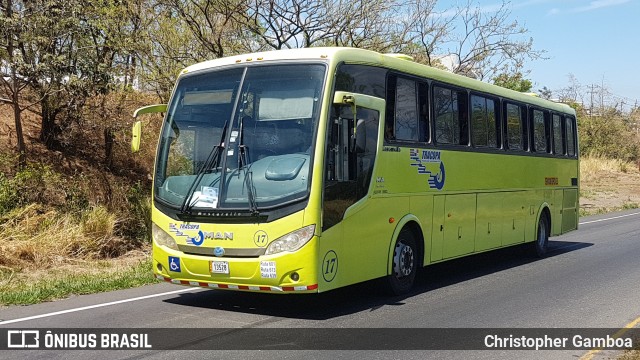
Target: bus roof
{"x":398,"y":62}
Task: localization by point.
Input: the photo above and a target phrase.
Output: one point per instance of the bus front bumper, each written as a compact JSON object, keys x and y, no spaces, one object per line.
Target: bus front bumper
{"x":280,"y":273}
{"x":257,"y":288}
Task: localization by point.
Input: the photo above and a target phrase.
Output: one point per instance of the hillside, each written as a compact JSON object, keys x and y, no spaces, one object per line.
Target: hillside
{"x":75,"y":220}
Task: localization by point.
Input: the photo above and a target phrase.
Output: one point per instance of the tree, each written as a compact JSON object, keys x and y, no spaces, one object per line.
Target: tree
{"x":607,"y":135}
{"x":212,"y":23}
{"x":55,"y":57}
{"x":475,"y":42}
{"x":545,"y":93}
{"x":573,"y":92}
{"x":478,"y":43}
{"x":176,"y":33}
{"x":607,"y":130}
{"x":65,"y":54}
{"x":514,"y":81}
{"x":12,"y":84}
{"x":286,"y":24}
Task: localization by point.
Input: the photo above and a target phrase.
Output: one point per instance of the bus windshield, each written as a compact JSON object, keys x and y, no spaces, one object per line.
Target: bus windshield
{"x":240,"y":138}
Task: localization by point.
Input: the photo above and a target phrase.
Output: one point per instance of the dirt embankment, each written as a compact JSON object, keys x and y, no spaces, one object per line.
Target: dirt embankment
{"x":608,"y":185}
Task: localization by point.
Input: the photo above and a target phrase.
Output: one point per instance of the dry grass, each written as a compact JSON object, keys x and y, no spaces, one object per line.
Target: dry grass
{"x":608,"y":185}
{"x":630,"y":355}
{"x":34,"y":237}
{"x":593,"y":168}
{"x":48,"y":254}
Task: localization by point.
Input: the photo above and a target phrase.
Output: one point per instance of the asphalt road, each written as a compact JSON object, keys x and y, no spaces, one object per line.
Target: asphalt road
{"x":590,"y":280}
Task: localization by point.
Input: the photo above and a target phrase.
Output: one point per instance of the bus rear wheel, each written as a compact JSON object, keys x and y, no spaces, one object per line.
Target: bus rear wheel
{"x":405,"y":264}
{"x":540,"y":245}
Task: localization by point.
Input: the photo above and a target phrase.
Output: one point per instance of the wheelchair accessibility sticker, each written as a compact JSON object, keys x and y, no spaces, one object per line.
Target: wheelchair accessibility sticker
{"x":429,"y":162}
{"x":174,"y":264}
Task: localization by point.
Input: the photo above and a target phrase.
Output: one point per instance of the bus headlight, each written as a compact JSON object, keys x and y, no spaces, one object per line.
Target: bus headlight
{"x":162,"y":238}
{"x":292,"y":241}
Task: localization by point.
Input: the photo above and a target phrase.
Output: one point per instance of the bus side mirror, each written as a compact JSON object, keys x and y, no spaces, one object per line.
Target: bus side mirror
{"x":359,"y":138}
{"x":136,"y":133}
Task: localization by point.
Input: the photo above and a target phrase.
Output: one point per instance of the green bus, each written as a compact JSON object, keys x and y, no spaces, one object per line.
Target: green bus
{"x":306,"y":170}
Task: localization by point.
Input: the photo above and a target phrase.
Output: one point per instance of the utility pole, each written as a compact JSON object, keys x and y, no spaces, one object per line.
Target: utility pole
{"x":591,"y":102}
{"x":636,"y":119}
{"x":602,"y":96}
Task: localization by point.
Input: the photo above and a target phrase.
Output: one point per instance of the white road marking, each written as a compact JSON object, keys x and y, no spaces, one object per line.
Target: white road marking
{"x":95,"y":306}
{"x":611,"y":218}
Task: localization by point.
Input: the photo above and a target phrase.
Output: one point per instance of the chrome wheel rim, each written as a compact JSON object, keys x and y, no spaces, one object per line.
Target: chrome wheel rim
{"x":403,"y":260}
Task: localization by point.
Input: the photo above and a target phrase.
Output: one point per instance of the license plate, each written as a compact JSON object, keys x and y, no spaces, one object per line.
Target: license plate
{"x":220,"y":267}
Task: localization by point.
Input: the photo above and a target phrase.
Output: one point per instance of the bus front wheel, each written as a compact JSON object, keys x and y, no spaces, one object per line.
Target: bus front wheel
{"x":405,"y":264}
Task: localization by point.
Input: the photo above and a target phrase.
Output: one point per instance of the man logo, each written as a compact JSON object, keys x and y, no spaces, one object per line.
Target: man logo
{"x":219,"y":235}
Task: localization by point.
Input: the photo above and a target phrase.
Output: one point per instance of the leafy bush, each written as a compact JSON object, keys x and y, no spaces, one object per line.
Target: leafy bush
{"x":607,"y":137}
{"x":137,"y":224}
{"x":8,"y":195}
{"x":38,"y":183}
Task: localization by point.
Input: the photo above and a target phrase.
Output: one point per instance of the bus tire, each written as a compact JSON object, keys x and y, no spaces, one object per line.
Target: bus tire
{"x":405,"y":264}
{"x":541,"y":243}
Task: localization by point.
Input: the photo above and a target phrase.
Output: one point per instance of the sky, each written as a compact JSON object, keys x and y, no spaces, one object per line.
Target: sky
{"x":597,"y":41}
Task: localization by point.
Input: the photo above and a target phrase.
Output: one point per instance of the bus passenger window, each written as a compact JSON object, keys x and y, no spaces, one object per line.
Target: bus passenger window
{"x":539,"y":132}
{"x":407,"y":115}
{"x":514,"y":127}
{"x":368,"y":80}
{"x":451,"y":116}
{"x":557,"y":135}
{"x":483,"y":119}
{"x":571,"y":143}
{"x":423,"y":119}
{"x":406,"y":111}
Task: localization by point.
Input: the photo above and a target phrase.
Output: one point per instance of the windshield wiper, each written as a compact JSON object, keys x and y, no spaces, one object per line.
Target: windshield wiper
{"x":212,"y":162}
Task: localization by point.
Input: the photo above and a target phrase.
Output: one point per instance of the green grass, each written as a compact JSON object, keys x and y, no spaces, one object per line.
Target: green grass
{"x":630,"y":205}
{"x":65,"y":285}
{"x":600,"y":210}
